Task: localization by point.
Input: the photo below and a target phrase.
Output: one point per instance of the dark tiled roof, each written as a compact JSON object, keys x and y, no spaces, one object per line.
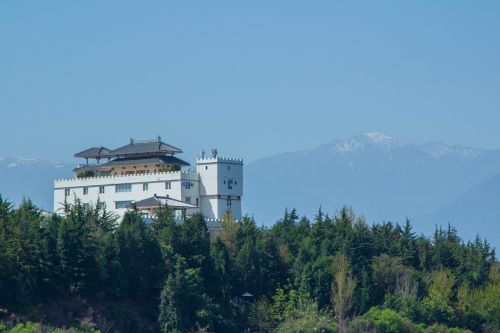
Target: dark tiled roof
{"x":140,"y":148}
{"x":171,"y":202}
{"x":93,"y":152}
{"x":157,"y":200}
{"x":149,"y":202}
{"x":124,"y":161}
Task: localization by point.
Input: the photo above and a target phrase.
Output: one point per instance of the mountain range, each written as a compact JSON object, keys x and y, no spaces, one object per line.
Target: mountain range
{"x":382,"y":178}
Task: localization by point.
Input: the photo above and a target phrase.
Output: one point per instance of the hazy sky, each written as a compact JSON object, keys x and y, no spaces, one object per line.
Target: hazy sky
{"x":250,"y":77}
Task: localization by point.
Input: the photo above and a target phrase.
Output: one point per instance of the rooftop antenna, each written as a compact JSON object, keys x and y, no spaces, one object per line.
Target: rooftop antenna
{"x":158,"y":137}
{"x":131,"y":141}
{"x":214,"y":152}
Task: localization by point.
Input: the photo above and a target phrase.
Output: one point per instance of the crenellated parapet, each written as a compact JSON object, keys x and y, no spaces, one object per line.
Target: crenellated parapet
{"x":201,"y":160}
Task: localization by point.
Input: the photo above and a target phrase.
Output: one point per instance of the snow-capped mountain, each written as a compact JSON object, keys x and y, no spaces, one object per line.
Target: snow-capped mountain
{"x":440,"y":149}
{"x":382,"y":177}
{"x":360,"y":142}
{"x":387,"y":143}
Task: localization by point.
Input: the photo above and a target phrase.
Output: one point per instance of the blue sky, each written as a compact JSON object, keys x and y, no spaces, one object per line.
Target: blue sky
{"x":252,"y":78}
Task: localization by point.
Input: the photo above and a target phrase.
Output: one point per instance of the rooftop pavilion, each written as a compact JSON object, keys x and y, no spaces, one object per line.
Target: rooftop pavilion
{"x":137,"y":157}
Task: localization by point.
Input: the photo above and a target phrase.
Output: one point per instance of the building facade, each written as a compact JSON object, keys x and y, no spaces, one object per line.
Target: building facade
{"x":146,"y":174}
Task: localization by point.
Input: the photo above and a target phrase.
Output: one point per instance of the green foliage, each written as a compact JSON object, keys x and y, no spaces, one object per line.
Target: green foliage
{"x":389,"y":321}
{"x":76,"y":248}
{"x":86,"y":174}
{"x":440,"y":328}
{"x":478,"y":305}
{"x":184,"y":304}
{"x":170,"y":167}
{"x":176,"y":277}
{"x":25,"y":328}
{"x":30,"y":327}
{"x":139,"y":257}
{"x":307,"y":318}
{"x":437,"y":305}
{"x":260,"y":316}
{"x":384,"y":320}
{"x":342,"y":288}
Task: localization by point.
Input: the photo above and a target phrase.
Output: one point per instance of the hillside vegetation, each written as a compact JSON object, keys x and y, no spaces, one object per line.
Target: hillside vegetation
{"x":88,"y":272}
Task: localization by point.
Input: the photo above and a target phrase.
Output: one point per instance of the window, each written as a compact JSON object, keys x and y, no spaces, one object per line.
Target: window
{"x":229,"y":202}
{"x":102,"y":205}
{"x":123,"y":188}
{"x":85,"y":190}
{"x":122,"y":204}
{"x":66,"y":192}
{"x":188,"y":200}
{"x":101,"y":189}
{"x":228,"y":167}
{"x":145,"y":186}
{"x":196,"y":201}
{"x":168,"y":185}
{"x":206,"y":167}
{"x":187,"y":185}
{"x":230,"y":184}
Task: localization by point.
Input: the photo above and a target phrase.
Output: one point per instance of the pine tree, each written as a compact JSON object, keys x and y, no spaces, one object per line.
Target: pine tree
{"x":140,"y":258}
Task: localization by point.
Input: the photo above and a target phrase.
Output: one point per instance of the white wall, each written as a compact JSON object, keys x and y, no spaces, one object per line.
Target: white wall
{"x":156,"y":185}
{"x":215,"y":177}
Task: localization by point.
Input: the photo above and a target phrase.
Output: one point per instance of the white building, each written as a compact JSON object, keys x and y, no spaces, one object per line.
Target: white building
{"x":141,"y":175}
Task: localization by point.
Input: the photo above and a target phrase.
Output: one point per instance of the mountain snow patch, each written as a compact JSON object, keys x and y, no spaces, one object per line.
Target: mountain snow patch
{"x":441,"y":149}
{"x":379,"y":137}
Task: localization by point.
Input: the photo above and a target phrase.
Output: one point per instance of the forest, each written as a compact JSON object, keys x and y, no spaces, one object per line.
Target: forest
{"x":88,"y":272}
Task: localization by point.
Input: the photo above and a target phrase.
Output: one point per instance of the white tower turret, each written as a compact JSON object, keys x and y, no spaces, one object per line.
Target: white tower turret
{"x":221,"y":186}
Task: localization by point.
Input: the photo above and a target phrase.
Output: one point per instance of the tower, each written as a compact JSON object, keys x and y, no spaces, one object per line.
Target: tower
{"x":221,"y":186}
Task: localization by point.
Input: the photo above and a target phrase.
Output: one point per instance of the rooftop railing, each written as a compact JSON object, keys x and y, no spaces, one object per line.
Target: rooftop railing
{"x":188,"y":172}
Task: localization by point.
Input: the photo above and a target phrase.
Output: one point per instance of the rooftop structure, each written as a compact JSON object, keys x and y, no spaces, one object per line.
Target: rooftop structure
{"x":140,"y":148}
{"x":136,"y":157}
{"x":94,"y":152}
{"x":143,"y":175}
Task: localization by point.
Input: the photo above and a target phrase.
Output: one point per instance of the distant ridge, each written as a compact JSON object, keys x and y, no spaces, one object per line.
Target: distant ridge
{"x":380,"y":176}
{"x":475,"y":210}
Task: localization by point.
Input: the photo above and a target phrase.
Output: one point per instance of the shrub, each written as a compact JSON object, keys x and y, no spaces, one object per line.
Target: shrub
{"x":384,"y":320}
{"x":307,"y":318}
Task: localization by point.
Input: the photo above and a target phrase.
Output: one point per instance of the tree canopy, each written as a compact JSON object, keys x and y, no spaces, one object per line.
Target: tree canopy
{"x":334,"y":273}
